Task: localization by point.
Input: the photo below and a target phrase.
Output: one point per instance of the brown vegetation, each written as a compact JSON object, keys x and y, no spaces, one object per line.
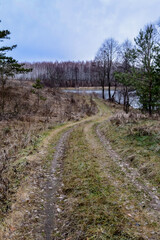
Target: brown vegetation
{"x":24,"y":119}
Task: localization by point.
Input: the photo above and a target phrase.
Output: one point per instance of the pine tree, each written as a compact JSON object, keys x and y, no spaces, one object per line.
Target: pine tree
{"x":8,"y":65}
{"x":143,"y":73}
{"x":147,"y":76}
{"x":38,"y":85}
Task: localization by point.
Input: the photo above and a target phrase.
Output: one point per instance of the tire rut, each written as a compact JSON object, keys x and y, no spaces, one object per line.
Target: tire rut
{"x":132,"y":175}
{"x":52,"y":186}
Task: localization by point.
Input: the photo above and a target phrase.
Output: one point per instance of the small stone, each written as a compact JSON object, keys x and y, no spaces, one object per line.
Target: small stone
{"x":59,"y":210}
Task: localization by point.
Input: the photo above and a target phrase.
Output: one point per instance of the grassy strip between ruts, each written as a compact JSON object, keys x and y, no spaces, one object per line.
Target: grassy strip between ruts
{"x":90,"y":209}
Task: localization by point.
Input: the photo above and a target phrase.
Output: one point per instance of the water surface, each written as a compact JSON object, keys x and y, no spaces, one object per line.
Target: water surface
{"x":133,"y":99}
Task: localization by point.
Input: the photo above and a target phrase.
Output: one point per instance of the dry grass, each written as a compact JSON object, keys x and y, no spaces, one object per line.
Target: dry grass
{"x":27,"y":177}
{"x":96,"y":200}
{"x":90,"y":209}
{"x":136,"y":138}
{"x":24,"y":120}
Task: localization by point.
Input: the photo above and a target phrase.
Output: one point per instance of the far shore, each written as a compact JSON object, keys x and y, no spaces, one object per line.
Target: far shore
{"x":86,"y":88}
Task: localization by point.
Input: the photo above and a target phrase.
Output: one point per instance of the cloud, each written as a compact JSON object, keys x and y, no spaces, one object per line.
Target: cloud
{"x":72,"y":29}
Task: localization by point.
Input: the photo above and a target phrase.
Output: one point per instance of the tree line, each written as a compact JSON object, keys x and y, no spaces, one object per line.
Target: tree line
{"x":123,"y":68}
{"x":63,"y":74}
{"x":126,"y":67}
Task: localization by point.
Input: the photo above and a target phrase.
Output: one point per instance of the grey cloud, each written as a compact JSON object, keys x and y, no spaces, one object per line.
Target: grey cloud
{"x":72,"y":29}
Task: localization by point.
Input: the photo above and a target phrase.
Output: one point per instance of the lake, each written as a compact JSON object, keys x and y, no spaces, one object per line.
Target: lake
{"x":133,"y":99}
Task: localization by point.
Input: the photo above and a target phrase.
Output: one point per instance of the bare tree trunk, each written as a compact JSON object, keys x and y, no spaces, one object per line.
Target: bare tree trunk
{"x":109,"y":90}
{"x":103,"y":92}
{"x":102,"y":84}
{"x":115,"y":89}
{"x":126,"y":101}
{"x":150,"y":99}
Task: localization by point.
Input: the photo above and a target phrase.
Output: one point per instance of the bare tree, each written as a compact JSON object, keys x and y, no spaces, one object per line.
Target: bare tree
{"x":124,"y":78}
{"x":105,"y":59}
{"x":101,"y":67}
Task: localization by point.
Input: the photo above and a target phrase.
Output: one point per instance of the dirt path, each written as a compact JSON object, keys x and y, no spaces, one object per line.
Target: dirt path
{"x":53,"y":184}
{"x":26,"y":219}
{"x":132,"y":194}
{"x":137,"y":201}
{"x":99,"y":190}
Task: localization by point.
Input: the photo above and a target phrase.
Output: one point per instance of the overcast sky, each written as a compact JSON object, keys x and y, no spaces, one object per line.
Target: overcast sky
{"x":71,"y":29}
